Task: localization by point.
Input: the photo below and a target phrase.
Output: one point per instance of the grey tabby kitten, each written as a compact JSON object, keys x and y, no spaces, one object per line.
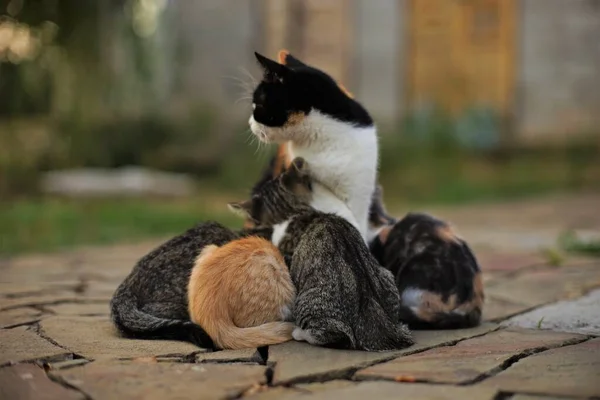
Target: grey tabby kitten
{"x":344,"y":298}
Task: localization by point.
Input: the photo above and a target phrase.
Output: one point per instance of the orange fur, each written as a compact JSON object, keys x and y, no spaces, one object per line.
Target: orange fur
{"x":282,"y":55}
{"x":238,"y":294}
{"x":384,"y":233}
{"x":447,"y":234}
{"x":433,"y":304}
{"x":282,"y":161}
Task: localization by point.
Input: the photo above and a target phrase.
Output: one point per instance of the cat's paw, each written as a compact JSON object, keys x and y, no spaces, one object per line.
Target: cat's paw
{"x":304,"y":335}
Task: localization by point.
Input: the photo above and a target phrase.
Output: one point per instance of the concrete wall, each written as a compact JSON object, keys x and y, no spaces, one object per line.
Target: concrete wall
{"x":558,"y":75}
{"x":217,"y":39}
{"x":379,"y":56}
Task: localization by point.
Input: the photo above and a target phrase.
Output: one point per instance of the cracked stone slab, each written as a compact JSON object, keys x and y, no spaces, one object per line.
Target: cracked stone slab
{"x":508,"y":261}
{"x":467,"y":360}
{"x":97,"y":338}
{"x":49,"y":299}
{"x":19,"y":317}
{"x":124,"y":380}
{"x":528,"y":397}
{"x":80,"y":309}
{"x":579,"y":316}
{"x":283,"y":392}
{"x":243,"y":355}
{"x":22,"y":344}
{"x":298,"y":361}
{"x":12,"y":289}
{"x":551,"y":284}
{"x":496,"y":309}
{"x":385,"y":391}
{"x":572,"y":371}
{"x":28,"y":381}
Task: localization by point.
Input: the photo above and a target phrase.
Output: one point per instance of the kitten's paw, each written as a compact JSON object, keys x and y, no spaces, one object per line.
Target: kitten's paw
{"x":304,"y":335}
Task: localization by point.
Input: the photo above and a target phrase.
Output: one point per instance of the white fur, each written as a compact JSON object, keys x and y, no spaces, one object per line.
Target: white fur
{"x":372,"y":233}
{"x":340,"y":156}
{"x":302,"y":335}
{"x":279,"y":232}
{"x":412,"y":298}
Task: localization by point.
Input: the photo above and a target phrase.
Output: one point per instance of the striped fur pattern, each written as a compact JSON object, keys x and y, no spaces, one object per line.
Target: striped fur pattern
{"x":344,"y":298}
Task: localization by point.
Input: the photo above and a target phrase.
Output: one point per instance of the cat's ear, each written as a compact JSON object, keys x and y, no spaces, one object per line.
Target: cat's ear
{"x":241,"y":208}
{"x":296,"y":177}
{"x":299,"y":166}
{"x":272,"y":68}
{"x":286,"y":58}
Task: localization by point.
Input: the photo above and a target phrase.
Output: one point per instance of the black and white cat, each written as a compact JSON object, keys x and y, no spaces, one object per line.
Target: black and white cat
{"x":320,"y":122}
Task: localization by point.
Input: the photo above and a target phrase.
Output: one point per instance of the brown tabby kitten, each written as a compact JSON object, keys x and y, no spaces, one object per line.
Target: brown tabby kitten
{"x":240,"y":292}
{"x":436,"y":272}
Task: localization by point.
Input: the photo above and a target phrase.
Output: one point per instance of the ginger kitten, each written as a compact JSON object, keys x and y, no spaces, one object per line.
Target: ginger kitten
{"x":240,"y":293}
{"x":305,"y":108}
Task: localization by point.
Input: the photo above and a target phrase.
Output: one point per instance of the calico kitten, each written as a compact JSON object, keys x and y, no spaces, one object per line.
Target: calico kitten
{"x":436,"y":272}
{"x":344,"y":298}
{"x":305,"y":108}
{"x":240,"y":292}
{"x":152,"y":302}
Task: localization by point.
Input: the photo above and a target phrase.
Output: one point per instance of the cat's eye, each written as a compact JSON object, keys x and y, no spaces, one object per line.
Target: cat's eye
{"x":254,"y":106}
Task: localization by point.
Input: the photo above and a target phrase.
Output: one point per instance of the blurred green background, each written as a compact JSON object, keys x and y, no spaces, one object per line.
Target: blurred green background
{"x":118,"y":83}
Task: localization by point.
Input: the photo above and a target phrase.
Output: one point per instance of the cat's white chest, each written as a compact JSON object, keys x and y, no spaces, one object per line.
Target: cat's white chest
{"x":279,"y":231}
{"x":344,"y":159}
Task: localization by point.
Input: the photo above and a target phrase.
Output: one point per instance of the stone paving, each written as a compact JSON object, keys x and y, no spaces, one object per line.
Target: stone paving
{"x":540,"y":339}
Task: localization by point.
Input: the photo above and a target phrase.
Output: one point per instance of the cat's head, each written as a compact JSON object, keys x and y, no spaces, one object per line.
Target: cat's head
{"x":295,"y":101}
{"x":280,"y":198}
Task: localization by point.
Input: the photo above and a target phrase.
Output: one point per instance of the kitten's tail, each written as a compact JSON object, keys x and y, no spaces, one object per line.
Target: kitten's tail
{"x":229,"y":336}
{"x":379,"y":332}
{"x":133,"y":322}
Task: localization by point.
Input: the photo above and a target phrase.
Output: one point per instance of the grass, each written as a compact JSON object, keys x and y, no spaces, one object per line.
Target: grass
{"x":439,"y":172}
{"x":42,"y":225}
{"x":570,"y":242}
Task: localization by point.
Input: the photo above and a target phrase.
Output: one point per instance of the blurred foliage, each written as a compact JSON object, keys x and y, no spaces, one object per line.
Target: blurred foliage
{"x":571,"y":242}
{"x":52,"y":224}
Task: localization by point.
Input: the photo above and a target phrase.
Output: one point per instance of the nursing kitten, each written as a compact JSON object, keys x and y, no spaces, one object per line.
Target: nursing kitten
{"x":152,"y":301}
{"x":344,"y":298}
{"x":240,"y":292}
{"x":305,"y":108}
{"x":436,"y":272}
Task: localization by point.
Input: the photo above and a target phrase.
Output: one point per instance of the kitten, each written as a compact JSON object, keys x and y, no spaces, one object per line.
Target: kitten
{"x":344,"y":298}
{"x":305,"y":108}
{"x":436,"y":272}
{"x":240,"y":292}
{"x":152,"y":302}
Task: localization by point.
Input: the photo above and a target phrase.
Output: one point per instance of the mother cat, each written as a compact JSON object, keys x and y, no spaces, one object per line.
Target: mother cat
{"x":306,"y":108}
{"x":312,"y":116}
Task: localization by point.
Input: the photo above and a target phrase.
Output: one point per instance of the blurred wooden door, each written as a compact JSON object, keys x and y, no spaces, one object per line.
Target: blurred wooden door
{"x":461,"y":53}
{"x":317,"y":31}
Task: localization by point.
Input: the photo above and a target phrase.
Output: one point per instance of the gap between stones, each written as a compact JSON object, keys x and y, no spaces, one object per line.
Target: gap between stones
{"x":60,"y":381}
{"x":517,"y":357}
{"x":348,"y":373}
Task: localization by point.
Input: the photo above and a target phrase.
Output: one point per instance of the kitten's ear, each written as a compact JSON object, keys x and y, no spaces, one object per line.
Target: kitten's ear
{"x":241,"y":208}
{"x":296,"y":177}
{"x":271,"y":67}
{"x":299,"y":166}
{"x":286,"y":58}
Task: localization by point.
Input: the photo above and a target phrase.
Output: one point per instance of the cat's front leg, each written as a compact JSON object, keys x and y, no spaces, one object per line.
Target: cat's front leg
{"x":328,"y":333}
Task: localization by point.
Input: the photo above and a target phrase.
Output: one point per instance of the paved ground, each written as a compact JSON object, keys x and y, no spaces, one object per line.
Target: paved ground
{"x":56,"y":341}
